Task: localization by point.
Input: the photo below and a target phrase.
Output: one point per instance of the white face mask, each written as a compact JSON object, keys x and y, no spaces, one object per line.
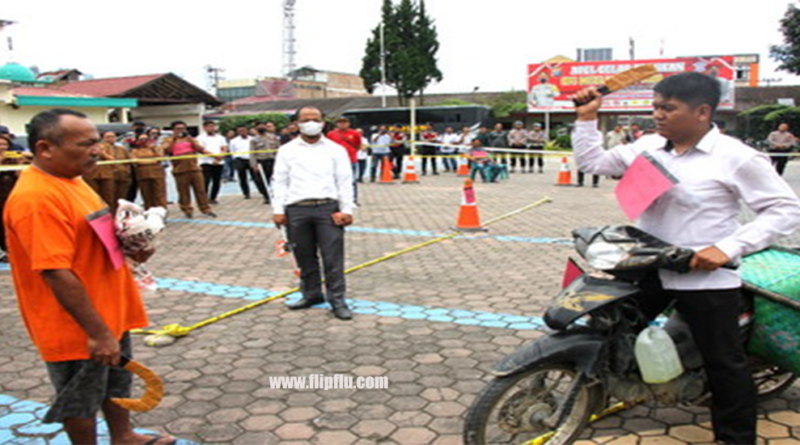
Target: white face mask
{"x":311,"y":128}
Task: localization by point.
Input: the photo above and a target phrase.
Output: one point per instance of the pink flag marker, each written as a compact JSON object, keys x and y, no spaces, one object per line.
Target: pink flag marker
{"x":644,"y":182}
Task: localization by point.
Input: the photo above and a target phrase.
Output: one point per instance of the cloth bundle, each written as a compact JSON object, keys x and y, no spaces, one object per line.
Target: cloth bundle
{"x":137,"y":230}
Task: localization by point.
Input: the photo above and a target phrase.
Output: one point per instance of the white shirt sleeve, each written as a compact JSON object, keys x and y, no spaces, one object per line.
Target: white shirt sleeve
{"x":343,"y":173}
{"x":587,"y":141}
{"x":280,"y":182}
{"x":777,"y":206}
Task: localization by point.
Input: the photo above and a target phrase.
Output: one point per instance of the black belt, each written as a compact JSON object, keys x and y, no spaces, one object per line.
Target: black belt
{"x":313,"y":202}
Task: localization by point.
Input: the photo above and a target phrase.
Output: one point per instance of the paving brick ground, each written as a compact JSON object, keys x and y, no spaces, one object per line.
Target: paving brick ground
{"x":217,"y":378}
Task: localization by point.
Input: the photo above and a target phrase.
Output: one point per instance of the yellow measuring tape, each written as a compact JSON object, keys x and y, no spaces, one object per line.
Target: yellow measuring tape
{"x":168,"y":333}
{"x":622,"y":406}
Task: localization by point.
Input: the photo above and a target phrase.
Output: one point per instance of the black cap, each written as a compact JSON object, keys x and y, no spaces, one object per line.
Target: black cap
{"x":138,"y":124}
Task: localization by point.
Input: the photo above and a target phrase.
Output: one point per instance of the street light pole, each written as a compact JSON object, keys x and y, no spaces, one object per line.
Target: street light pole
{"x":383,"y":70}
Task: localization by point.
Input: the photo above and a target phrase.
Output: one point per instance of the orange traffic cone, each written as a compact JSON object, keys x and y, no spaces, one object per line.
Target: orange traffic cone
{"x":387,"y":176}
{"x":463,"y":167}
{"x":410,"y":175}
{"x":565,"y":174}
{"x":468,"y":219}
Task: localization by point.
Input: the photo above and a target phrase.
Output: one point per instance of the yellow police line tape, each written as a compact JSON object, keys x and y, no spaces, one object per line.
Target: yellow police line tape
{"x":15,"y":155}
{"x":622,"y":406}
{"x":169,"y":333}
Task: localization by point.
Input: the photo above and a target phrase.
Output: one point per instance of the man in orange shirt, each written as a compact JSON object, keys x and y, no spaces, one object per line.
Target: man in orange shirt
{"x":77,"y":296}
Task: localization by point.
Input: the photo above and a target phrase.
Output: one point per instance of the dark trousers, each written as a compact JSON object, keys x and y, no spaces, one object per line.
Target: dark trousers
{"x":212,"y":176}
{"x":377,"y":161}
{"x":133,"y":189}
{"x":518,"y":156}
{"x":425,"y":159}
{"x":779,"y":162}
{"x":362,"y":168}
{"x":713,"y":317}
{"x":354,"y":166}
{"x":397,"y":158}
{"x":538,"y":159}
{"x":267,"y":170}
{"x":312,"y":232}
{"x":581,"y":176}
{"x":242,"y":171}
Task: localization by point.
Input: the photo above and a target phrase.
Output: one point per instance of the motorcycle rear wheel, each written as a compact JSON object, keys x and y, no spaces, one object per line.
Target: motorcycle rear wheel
{"x":524,"y":407}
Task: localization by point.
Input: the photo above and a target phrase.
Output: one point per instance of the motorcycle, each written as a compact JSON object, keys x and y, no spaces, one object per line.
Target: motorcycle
{"x":548,"y":390}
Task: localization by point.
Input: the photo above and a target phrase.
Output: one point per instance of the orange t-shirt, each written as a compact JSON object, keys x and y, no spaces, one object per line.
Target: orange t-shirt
{"x":47,"y":229}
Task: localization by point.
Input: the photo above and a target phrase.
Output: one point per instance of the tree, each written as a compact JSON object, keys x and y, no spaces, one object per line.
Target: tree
{"x":410,"y":47}
{"x":752,"y":123}
{"x":428,"y":44}
{"x":232,"y":122}
{"x":508,"y":103}
{"x":788,"y":54}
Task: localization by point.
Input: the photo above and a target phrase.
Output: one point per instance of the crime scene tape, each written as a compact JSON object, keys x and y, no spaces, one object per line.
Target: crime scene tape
{"x":168,"y":334}
{"x":146,"y":160}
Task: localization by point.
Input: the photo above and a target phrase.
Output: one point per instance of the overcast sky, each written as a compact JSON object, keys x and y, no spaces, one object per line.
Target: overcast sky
{"x":487,"y":44}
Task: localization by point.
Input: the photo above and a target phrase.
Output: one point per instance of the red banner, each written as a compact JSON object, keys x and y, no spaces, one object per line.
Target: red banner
{"x":551,"y":84}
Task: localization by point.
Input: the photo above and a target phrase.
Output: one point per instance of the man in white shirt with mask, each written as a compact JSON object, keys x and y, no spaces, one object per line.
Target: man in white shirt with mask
{"x":313,"y":185}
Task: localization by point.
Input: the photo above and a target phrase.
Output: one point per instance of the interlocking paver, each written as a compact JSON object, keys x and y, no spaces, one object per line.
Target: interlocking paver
{"x":218,"y":378}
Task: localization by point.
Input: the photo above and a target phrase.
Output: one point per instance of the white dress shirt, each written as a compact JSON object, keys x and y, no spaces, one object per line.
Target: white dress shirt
{"x":240,"y":147}
{"x":312,"y":171}
{"x":702,"y":209}
{"x":449,"y":140}
{"x":212,"y":144}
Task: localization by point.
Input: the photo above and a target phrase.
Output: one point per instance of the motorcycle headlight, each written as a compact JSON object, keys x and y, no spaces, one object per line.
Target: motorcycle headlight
{"x":605,"y":256}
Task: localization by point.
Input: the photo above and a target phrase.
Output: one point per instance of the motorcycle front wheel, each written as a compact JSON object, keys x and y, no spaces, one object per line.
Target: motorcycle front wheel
{"x":534,"y":404}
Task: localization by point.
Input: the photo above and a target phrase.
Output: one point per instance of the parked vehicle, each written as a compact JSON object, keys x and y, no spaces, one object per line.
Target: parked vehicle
{"x":550,"y":388}
{"x":440,"y":117}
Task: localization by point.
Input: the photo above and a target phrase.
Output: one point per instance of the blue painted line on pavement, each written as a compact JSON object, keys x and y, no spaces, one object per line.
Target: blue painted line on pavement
{"x":403,"y":232}
{"x":378,"y":308}
{"x":21,"y":423}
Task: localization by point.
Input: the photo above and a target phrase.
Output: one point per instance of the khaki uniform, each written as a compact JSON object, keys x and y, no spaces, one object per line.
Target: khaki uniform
{"x":150,"y":176}
{"x":188,"y":178}
{"x":122,"y":175}
{"x":101,"y":179}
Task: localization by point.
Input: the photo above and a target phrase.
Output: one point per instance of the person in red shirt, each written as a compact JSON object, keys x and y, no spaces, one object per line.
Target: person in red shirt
{"x":351,"y":141}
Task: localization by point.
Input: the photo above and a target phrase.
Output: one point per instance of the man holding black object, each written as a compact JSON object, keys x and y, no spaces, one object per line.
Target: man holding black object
{"x":715,"y":172}
{"x":313,"y":185}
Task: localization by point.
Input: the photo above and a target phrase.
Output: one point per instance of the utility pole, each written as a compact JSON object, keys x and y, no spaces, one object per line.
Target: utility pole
{"x":213,"y":77}
{"x":632,"y":48}
{"x":3,"y":25}
{"x":289,"y":50}
{"x":383,"y":69}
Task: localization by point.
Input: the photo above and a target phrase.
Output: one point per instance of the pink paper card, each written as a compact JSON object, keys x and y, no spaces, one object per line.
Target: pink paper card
{"x":103,"y":225}
{"x":644,"y":182}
